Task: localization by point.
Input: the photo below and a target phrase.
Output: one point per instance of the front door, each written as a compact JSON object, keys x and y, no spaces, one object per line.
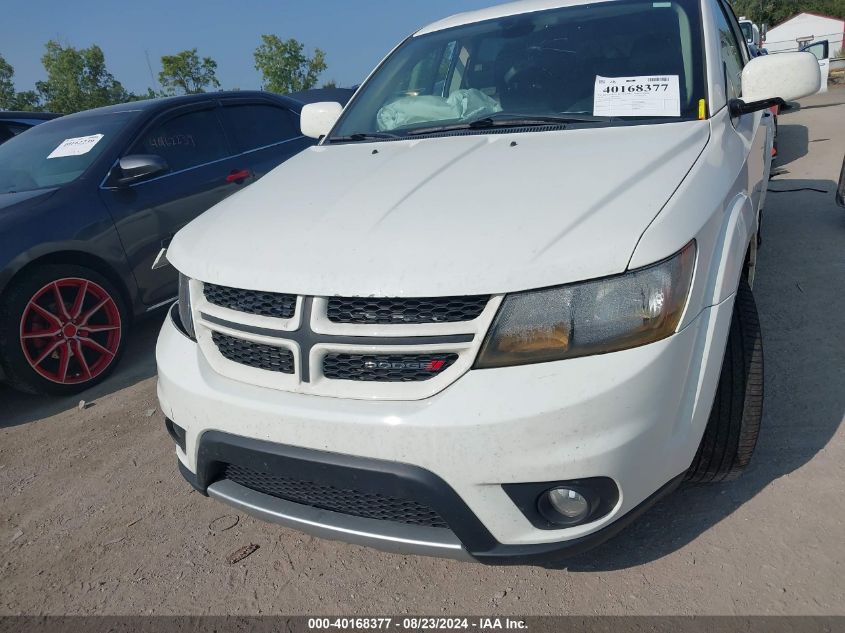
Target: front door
{"x":203,"y":170}
{"x":749,"y":127}
{"x":821,"y":50}
{"x":266,"y":133}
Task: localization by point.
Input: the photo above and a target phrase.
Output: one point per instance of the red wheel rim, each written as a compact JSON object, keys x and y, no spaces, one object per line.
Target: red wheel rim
{"x":70,"y":331}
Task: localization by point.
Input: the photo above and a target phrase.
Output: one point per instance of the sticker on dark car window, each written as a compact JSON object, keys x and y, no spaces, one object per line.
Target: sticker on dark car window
{"x":76,"y":146}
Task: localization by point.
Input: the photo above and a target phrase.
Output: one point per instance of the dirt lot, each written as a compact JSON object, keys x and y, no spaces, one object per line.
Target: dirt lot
{"x":95,"y":518}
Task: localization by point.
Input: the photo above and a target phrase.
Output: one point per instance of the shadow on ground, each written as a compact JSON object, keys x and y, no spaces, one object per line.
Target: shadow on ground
{"x":137,"y":364}
{"x":820,"y":105}
{"x":793,"y":143}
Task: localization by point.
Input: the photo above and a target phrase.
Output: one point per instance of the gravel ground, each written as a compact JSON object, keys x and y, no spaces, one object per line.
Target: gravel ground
{"x":96,"y":520}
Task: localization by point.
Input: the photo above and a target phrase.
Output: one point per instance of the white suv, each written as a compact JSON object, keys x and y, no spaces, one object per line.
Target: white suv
{"x":486,"y":317}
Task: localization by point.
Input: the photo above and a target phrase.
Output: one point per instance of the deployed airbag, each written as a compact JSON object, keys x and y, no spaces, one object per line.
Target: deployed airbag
{"x":461,"y":105}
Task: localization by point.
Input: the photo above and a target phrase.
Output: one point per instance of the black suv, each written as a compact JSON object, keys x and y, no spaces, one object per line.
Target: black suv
{"x":89,"y":201}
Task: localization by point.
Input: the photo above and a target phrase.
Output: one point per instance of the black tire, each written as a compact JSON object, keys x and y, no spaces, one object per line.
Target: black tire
{"x":18,"y":370}
{"x":734,"y":425}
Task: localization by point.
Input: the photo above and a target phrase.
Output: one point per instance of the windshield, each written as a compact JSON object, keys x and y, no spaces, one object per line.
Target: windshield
{"x":57,"y":152}
{"x":553,"y":63}
{"x":747,"y":31}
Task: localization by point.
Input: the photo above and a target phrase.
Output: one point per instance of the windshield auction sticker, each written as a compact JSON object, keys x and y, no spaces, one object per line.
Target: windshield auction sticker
{"x":637,"y":96}
{"x":76,"y":146}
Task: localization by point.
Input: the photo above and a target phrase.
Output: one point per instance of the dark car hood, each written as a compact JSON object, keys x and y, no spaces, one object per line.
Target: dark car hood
{"x":24,"y":198}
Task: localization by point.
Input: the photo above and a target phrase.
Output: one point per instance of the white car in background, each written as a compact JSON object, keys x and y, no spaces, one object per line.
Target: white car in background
{"x":821,"y":51}
{"x":505,"y":305}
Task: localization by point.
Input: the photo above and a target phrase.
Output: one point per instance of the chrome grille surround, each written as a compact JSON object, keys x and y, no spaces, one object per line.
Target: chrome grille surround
{"x":310,"y":336}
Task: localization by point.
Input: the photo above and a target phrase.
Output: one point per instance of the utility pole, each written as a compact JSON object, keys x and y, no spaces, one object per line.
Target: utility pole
{"x":150,"y":67}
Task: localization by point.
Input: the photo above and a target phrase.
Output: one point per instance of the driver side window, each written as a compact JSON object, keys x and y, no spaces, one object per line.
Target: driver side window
{"x":732,"y":57}
{"x":185,"y":140}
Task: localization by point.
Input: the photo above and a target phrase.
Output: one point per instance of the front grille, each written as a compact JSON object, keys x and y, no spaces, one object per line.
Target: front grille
{"x":380,"y":311}
{"x":269,"y":304}
{"x":386,"y":368}
{"x":368,"y":505}
{"x":254,"y":354}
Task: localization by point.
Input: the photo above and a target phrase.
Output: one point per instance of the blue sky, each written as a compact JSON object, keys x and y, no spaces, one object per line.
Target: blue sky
{"x":354,"y":33}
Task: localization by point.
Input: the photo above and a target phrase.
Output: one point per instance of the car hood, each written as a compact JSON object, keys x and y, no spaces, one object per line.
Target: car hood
{"x":24,"y":198}
{"x":445,"y":216}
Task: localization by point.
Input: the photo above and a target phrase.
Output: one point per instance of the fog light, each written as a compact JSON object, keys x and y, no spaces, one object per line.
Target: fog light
{"x":570,"y":503}
{"x":553,"y":505}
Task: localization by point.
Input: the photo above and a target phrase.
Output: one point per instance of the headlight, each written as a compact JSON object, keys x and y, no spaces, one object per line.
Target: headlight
{"x":596,"y":317}
{"x":185,"y":315}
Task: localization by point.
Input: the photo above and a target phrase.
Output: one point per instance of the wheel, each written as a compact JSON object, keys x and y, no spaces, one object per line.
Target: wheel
{"x":731,"y":434}
{"x":62,"y":330}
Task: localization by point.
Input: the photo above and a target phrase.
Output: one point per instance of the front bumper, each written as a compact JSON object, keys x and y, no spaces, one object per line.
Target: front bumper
{"x":635,"y":417}
{"x":473,"y":542}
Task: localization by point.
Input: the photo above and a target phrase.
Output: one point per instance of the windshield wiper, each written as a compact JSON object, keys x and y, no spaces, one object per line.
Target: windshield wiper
{"x":364,"y":136}
{"x":512,"y":120}
{"x":498,"y":120}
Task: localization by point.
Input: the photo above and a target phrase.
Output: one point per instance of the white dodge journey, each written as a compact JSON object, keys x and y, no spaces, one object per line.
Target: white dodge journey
{"x":505,"y":304}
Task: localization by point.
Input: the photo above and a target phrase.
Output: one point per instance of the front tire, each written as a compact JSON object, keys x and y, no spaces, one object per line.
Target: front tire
{"x":62,"y":330}
{"x":734,"y":425}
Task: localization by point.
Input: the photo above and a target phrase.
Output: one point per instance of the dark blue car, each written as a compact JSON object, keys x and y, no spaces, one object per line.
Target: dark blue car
{"x":13,"y":123}
{"x":87,"y":203}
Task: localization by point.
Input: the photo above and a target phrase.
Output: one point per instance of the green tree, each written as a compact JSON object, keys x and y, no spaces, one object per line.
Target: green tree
{"x":77,"y":79}
{"x":11,"y":100}
{"x":284,"y":65}
{"x":773,"y":12}
{"x":7,"y":85}
{"x":186,"y":73}
{"x":27,"y":101}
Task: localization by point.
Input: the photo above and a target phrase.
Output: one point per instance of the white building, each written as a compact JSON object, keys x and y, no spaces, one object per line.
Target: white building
{"x":805,"y":28}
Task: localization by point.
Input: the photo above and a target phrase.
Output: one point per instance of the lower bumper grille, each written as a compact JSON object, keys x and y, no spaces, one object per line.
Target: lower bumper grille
{"x":368,"y":505}
{"x":252,"y":354}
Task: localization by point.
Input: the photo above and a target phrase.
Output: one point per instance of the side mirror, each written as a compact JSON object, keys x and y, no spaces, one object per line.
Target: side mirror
{"x":137,"y":167}
{"x":317,"y":119}
{"x":775,"y":79}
